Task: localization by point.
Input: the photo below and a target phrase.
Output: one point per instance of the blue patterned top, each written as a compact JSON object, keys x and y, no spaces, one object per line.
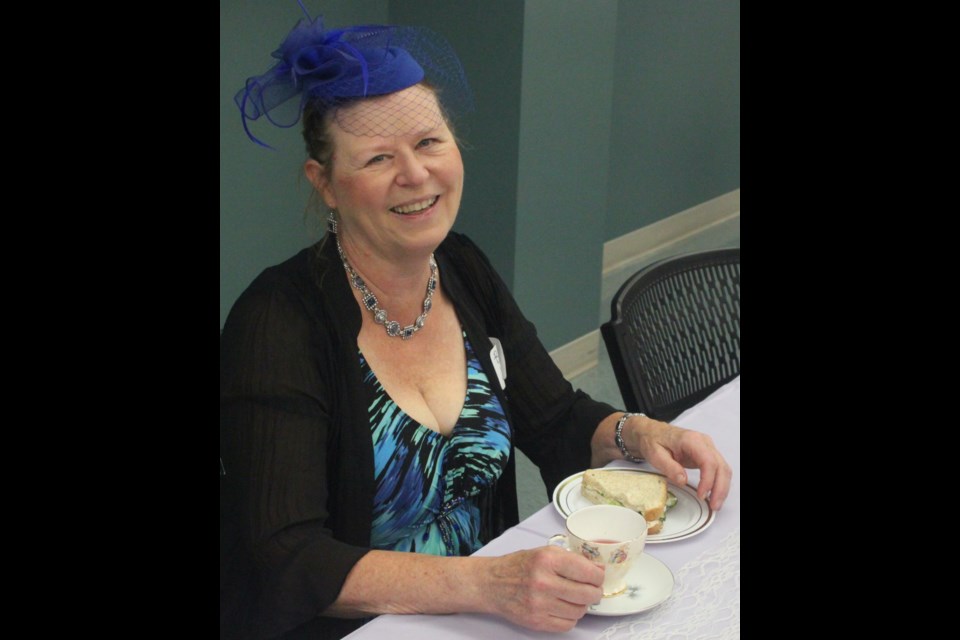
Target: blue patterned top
{"x":427,"y":484}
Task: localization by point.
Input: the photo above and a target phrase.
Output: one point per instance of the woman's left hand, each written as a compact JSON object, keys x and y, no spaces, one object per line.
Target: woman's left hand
{"x":673,"y":449}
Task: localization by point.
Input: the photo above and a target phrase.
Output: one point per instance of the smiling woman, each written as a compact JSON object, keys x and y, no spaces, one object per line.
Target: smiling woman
{"x":372,"y":451}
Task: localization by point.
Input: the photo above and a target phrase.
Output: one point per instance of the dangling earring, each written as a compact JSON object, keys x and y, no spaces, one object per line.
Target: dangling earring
{"x":332,"y":222}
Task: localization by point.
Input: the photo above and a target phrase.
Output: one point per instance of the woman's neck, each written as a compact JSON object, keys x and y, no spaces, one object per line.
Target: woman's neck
{"x":399,"y":284}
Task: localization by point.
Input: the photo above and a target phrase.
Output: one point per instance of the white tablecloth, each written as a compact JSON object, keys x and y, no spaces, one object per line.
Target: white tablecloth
{"x":706,"y":597}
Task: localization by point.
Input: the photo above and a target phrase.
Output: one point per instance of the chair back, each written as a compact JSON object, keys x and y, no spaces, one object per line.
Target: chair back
{"x":674,"y":332}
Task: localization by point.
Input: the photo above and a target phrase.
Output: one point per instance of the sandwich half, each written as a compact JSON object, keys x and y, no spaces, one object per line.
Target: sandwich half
{"x":645,"y":493}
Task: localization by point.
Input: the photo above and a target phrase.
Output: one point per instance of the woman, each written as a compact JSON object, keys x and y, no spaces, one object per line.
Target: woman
{"x":374,"y":386}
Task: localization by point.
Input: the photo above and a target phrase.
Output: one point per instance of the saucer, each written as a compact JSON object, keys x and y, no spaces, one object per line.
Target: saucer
{"x":649,"y":583}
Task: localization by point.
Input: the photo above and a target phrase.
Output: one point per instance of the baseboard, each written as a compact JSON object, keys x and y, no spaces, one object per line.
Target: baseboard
{"x":631,"y":247}
{"x":581,"y":355}
{"x":578,"y":356}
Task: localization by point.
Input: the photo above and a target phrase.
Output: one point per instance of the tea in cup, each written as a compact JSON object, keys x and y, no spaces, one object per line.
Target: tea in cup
{"x":609,"y":535}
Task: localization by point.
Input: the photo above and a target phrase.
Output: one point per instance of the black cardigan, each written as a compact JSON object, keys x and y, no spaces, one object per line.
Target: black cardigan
{"x":296,"y":500}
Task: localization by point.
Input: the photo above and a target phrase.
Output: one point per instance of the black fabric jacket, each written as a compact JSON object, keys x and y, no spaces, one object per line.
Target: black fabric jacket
{"x":296,"y":500}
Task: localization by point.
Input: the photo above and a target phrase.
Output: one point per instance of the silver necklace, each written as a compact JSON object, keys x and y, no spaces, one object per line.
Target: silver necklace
{"x":394,"y":330}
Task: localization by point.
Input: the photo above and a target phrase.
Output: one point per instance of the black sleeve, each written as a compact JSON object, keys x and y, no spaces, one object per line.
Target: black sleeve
{"x":280,"y":566}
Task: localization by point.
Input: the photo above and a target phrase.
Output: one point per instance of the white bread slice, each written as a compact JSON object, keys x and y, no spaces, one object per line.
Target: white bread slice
{"x":645,"y":493}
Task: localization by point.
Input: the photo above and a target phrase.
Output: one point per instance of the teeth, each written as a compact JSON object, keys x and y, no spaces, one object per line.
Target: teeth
{"x":417,"y":206}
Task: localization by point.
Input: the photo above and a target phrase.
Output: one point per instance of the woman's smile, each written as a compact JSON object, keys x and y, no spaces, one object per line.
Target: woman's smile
{"x":418,"y":207}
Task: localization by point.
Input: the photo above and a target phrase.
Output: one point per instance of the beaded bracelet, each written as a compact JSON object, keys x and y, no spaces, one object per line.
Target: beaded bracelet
{"x":619,"y":437}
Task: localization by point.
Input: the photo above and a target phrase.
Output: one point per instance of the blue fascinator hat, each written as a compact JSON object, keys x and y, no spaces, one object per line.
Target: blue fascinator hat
{"x":338,"y":66}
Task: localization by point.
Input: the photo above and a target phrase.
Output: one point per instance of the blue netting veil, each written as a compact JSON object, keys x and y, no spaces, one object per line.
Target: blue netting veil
{"x":339,"y":66}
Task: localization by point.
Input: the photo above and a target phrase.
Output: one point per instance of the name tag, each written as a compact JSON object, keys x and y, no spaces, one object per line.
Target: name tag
{"x":499,"y":359}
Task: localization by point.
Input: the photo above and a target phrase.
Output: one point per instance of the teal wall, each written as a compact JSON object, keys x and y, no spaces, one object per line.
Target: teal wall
{"x":594,"y":118}
{"x":676,"y":109}
{"x":564,"y":150}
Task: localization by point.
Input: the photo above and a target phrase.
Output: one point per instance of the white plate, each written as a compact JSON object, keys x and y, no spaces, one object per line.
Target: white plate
{"x":689,"y":517}
{"x":649,"y":583}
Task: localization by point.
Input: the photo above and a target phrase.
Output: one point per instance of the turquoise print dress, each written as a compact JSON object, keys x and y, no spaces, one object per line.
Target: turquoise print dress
{"x":427,"y":484}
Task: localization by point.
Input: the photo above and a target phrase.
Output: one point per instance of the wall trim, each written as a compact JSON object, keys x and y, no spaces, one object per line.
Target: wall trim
{"x":631,"y":247}
{"x":578,"y":356}
{"x":582,"y":354}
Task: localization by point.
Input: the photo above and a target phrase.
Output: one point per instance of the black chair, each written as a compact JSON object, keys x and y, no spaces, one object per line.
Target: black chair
{"x":674,"y":333}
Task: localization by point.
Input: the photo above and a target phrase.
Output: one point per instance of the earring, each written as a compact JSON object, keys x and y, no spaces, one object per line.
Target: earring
{"x":331,"y":222}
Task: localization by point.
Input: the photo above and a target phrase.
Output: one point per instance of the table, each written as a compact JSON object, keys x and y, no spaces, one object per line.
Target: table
{"x":706,"y":596}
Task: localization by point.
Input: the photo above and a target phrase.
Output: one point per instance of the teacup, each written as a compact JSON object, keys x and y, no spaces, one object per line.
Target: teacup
{"x":609,"y":535}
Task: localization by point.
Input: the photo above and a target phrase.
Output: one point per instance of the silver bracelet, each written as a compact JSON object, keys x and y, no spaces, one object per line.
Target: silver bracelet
{"x":619,"y":437}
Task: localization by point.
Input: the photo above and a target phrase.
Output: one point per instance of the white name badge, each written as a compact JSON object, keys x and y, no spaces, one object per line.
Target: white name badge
{"x":499,"y":359}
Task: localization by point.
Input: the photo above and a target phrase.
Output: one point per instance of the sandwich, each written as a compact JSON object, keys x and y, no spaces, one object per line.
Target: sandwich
{"x":645,"y":493}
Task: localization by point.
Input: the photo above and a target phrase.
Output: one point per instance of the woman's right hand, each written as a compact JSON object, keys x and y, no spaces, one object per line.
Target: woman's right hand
{"x":546,"y":589}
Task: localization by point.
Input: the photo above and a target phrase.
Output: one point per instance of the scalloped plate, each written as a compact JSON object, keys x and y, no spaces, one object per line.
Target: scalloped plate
{"x":689,"y":517}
